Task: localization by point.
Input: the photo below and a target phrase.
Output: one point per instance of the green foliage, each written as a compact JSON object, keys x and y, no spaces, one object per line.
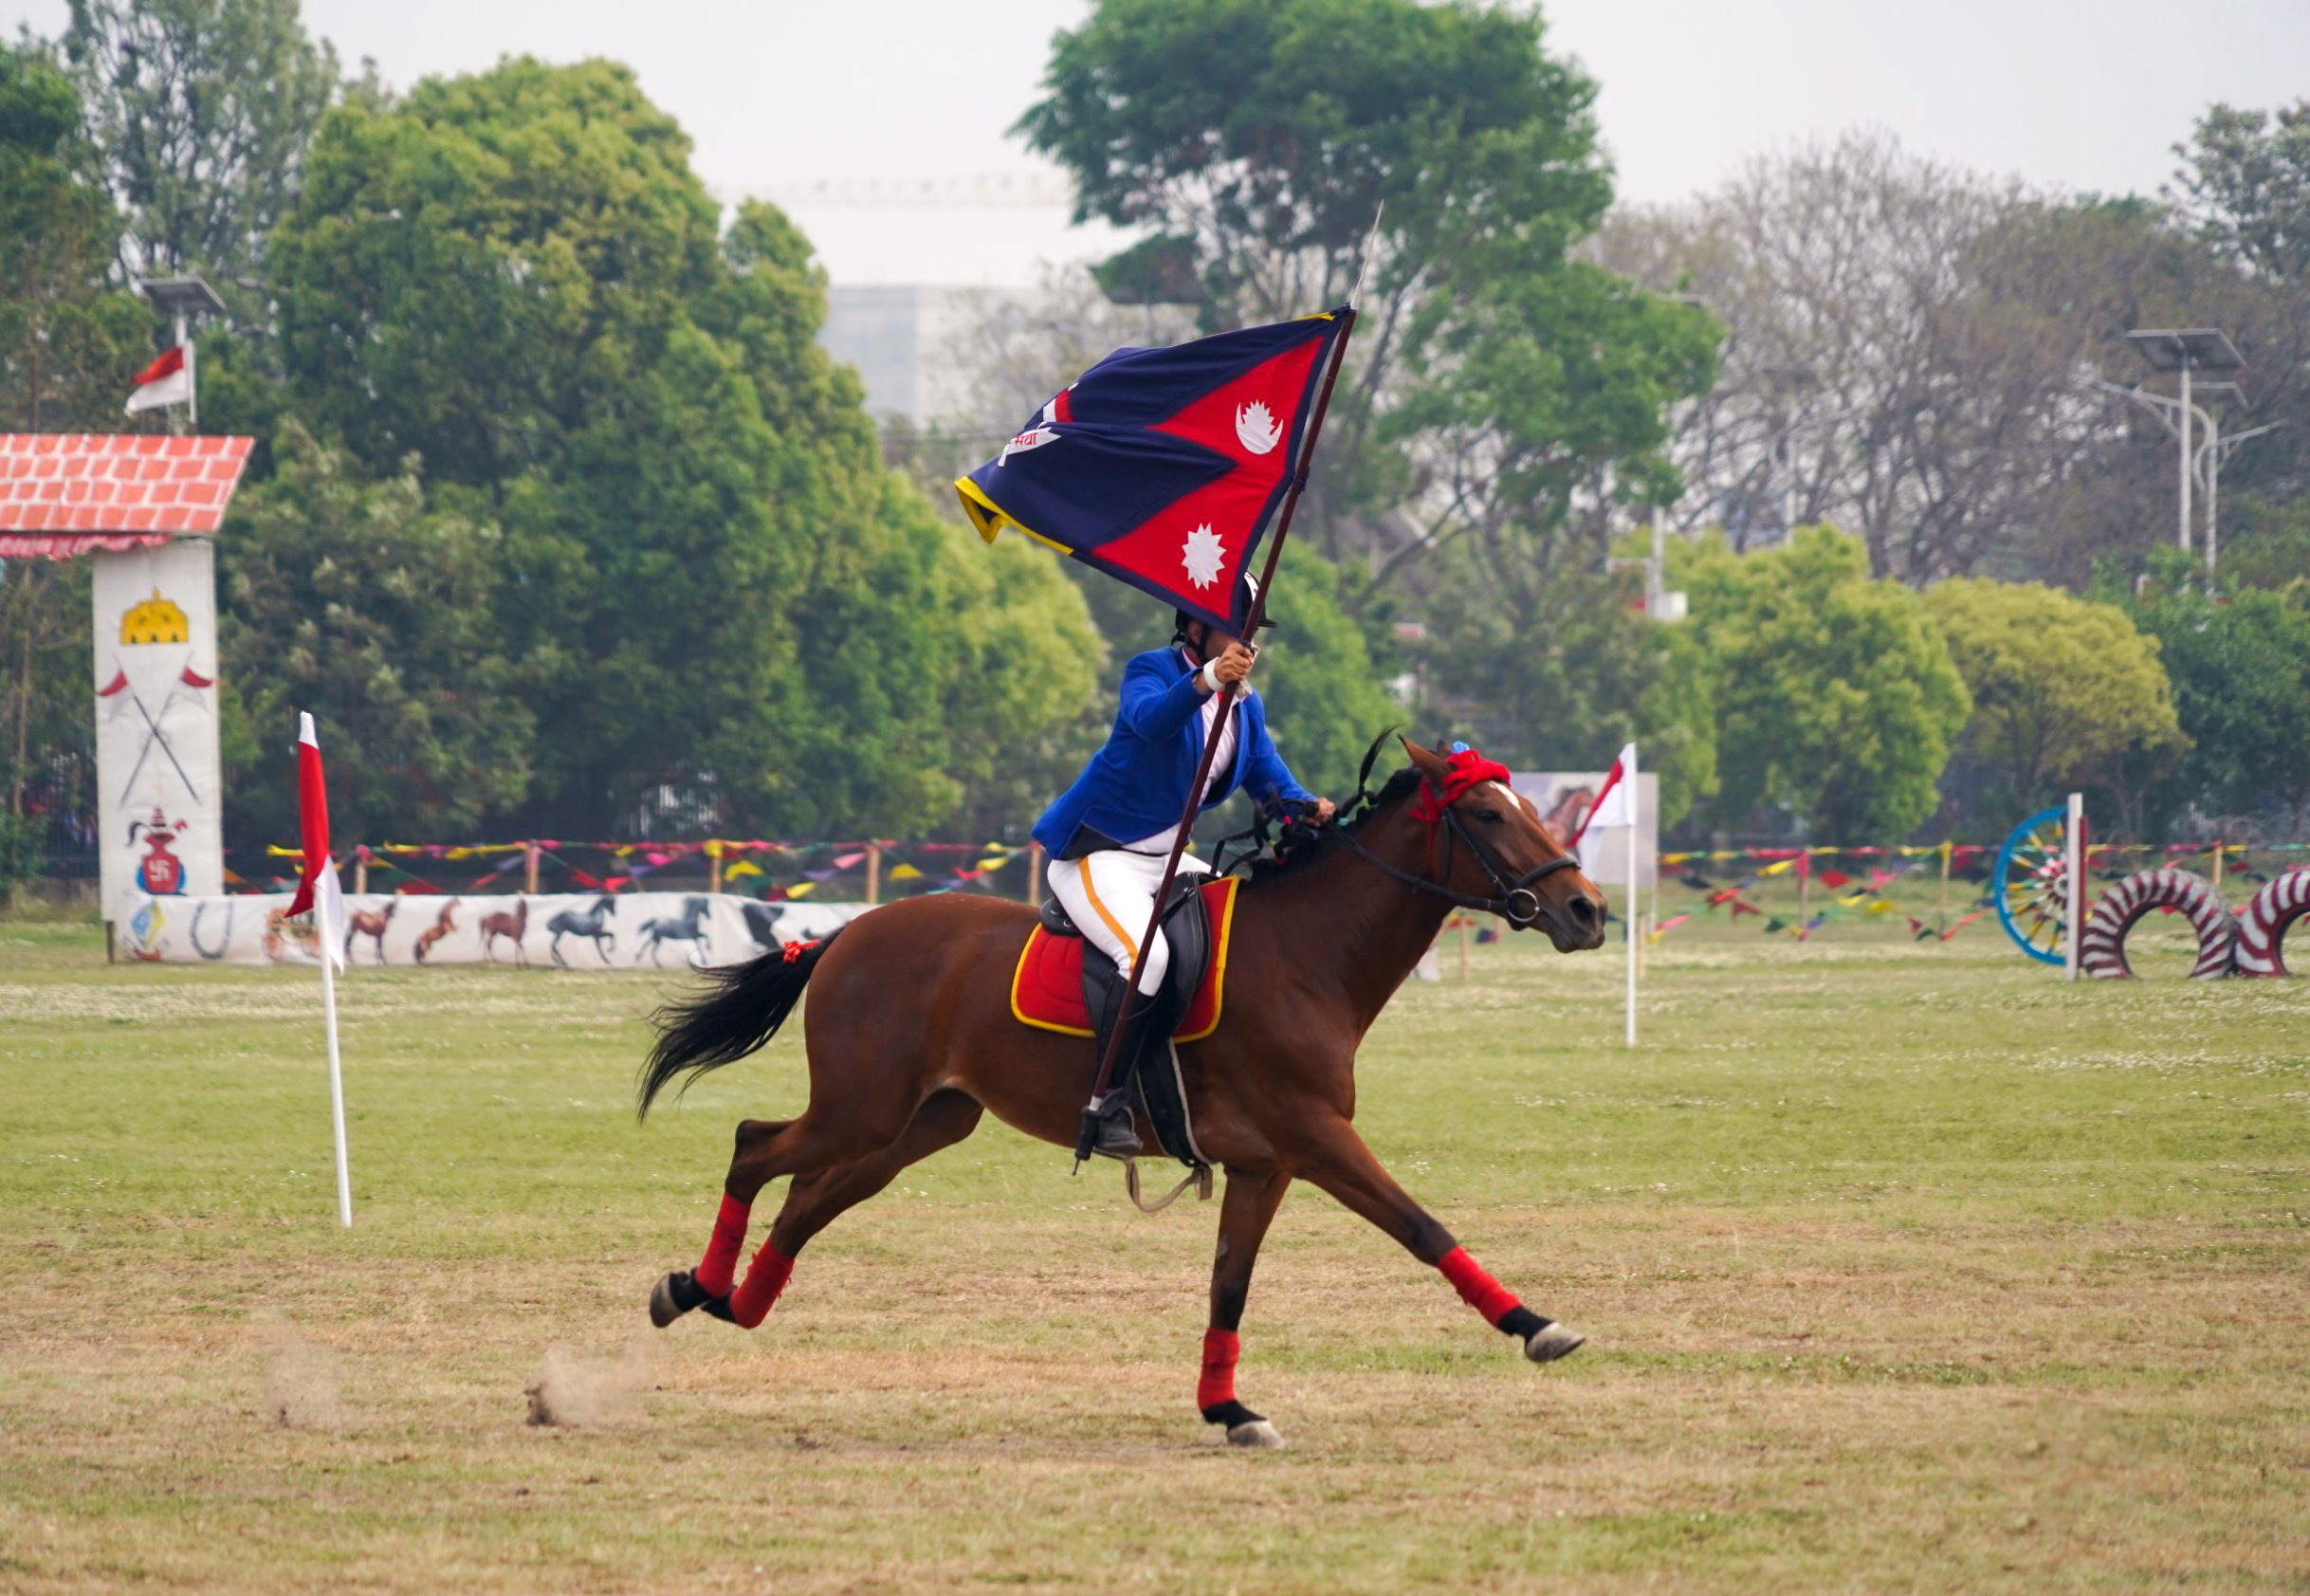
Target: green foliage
{"x":69,"y":346}
{"x":1024,"y":706}
{"x":20,"y":852}
{"x":68,"y":342}
{"x":1836,"y":696}
{"x":1258,"y":139}
{"x":712,"y":579}
{"x":352,"y":599}
{"x":1323,"y":701}
{"x":2061,"y":687}
{"x":203,"y":109}
{"x":1558,"y":675}
{"x":2239,"y":666}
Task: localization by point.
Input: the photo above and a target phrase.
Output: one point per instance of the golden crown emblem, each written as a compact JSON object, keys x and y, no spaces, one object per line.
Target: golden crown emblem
{"x":155,"y":620}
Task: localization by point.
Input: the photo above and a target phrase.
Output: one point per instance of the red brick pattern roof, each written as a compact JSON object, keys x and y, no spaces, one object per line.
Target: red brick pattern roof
{"x":81,"y":490}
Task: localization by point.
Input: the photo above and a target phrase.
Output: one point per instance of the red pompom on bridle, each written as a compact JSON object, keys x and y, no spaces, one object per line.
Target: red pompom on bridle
{"x":1464,"y":769}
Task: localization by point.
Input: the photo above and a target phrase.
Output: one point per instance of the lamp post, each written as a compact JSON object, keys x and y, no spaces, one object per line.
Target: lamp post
{"x":2185,"y":350}
{"x":181,"y":299}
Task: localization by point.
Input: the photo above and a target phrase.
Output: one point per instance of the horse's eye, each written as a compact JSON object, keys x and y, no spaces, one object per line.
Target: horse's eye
{"x":1490,"y":816}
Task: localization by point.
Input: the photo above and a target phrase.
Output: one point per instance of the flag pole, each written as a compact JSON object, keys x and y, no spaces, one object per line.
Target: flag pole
{"x":1089,"y":1130}
{"x":337,"y":1081}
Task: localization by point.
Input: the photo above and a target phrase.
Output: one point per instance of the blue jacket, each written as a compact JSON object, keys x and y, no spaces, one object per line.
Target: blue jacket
{"x":1137,"y":784}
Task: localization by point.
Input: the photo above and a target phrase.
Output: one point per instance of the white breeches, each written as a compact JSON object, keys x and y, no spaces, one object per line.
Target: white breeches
{"x":1110,"y":895}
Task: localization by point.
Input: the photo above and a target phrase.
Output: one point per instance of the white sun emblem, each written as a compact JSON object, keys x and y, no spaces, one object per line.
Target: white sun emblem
{"x":1202,"y":556}
{"x":1255,"y":430}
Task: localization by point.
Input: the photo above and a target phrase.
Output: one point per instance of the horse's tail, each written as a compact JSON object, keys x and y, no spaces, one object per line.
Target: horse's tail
{"x":741,"y":1008}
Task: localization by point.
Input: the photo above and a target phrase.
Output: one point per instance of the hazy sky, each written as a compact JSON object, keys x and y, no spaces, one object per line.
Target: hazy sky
{"x":2073,"y":94}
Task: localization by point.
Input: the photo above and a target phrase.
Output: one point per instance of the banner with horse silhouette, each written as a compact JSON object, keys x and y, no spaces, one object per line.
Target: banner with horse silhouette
{"x":549,"y":930}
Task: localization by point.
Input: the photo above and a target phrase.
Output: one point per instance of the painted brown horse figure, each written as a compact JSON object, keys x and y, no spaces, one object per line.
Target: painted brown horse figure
{"x":503,"y":924}
{"x":370,"y":923}
{"x":900,"y":1069}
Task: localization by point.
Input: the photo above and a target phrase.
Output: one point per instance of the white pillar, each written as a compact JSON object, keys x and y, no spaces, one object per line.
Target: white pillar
{"x":1629,"y":915}
{"x":2073,"y":844}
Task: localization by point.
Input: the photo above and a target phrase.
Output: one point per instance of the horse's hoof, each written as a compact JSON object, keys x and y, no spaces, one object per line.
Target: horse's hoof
{"x":1550,"y":1342}
{"x":675,"y":1295}
{"x":1256,"y":1432}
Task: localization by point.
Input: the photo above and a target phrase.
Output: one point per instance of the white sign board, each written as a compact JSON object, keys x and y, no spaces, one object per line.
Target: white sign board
{"x":159,"y":811}
{"x":1563,"y":798}
{"x":576,"y":930}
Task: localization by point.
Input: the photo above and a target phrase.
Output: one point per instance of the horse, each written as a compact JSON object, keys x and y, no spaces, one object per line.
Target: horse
{"x":911,"y":1039}
{"x":685,"y":927}
{"x":591,"y":924}
{"x":761,"y":922}
{"x":369,"y":923}
{"x":503,"y":924}
{"x":443,"y":926}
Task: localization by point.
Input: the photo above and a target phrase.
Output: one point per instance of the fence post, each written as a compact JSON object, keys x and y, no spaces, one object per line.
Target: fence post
{"x":1463,"y":923}
{"x":1804,"y":884}
{"x":2217,"y":863}
{"x":1942,"y":913}
{"x":530,"y":855}
{"x":361,"y":867}
{"x":873,"y":874}
{"x":713,"y":865}
{"x":1035,"y":872}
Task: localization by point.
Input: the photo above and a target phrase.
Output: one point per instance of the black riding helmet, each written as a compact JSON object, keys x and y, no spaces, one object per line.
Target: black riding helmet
{"x":1247,"y":591}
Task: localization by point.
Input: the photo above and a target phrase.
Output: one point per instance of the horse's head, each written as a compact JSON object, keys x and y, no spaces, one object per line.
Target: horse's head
{"x":1491,"y":844}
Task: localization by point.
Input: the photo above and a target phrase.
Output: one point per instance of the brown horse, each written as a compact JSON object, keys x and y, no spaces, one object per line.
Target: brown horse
{"x":900,"y":1067}
{"x":370,"y":923}
{"x":503,"y":924}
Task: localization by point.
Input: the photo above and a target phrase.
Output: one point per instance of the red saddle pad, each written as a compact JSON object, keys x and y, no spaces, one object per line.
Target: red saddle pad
{"x":1047,"y":987}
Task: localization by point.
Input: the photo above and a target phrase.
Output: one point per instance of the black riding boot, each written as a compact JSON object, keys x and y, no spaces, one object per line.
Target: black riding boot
{"x":1150,"y":1018}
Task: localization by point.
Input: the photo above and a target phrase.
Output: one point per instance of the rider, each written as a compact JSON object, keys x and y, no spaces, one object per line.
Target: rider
{"x":1109,"y":834}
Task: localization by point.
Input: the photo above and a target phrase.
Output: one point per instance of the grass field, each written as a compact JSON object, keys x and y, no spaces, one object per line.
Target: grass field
{"x":1905,"y":1267}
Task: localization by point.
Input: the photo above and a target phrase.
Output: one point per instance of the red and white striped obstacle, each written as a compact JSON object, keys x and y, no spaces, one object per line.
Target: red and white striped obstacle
{"x":2227,"y":942}
{"x":2262,"y":930}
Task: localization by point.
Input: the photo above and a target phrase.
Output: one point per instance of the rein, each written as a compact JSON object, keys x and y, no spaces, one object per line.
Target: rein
{"x":1515,"y":901}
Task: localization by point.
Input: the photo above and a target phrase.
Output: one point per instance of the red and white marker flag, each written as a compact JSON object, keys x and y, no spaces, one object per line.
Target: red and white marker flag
{"x":317,"y":891}
{"x":166,"y":381}
{"x":319,"y":885}
{"x":1613,"y":806}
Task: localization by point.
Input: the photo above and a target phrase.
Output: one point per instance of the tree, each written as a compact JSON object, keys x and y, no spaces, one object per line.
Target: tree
{"x":69,"y":344}
{"x":68,"y":340}
{"x":1558,"y":674}
{"x":718,"y":587}
{"x":1902,"y":358}
{"x":1321,"y":688}
{"x":203,"y":109}
{"x":356,"y":600}
{"x":1258,"y":139}
{"x":2063,"y":688}
{"x":2240,"y":665}
{"x":1836,"y":696}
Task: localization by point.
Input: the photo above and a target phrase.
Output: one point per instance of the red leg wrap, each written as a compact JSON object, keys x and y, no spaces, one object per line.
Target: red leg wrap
{"x":1220,"y":1350}
{"x":719,"y":1266}
{"x":766,"y":1277}
{"x":1477,"y":1288}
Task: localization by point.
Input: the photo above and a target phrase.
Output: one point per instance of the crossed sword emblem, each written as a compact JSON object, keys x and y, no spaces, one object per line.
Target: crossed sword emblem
{"x":152,"y":734}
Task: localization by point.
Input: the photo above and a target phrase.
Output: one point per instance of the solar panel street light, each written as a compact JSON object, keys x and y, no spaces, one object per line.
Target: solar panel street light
{"x":2185,"y":350}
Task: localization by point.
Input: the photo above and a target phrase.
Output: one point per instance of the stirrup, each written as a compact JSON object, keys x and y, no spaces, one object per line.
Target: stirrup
{"x":1199,"y":1176}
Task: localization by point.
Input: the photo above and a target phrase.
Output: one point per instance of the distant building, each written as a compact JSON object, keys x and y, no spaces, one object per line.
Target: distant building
{"x":903,"y":339}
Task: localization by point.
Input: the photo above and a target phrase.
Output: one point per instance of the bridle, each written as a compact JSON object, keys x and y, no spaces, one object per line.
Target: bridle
{"x":1514,"y":900}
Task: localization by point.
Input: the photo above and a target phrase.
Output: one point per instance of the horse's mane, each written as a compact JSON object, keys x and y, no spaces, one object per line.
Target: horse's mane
{"x":1303,"y":844}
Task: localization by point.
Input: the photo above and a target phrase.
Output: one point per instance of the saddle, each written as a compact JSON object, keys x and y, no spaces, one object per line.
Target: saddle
{"x":1057,"y":988}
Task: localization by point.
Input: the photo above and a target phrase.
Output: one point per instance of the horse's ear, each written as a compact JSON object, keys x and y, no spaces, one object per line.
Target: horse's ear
{"x":1429,"y":762}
